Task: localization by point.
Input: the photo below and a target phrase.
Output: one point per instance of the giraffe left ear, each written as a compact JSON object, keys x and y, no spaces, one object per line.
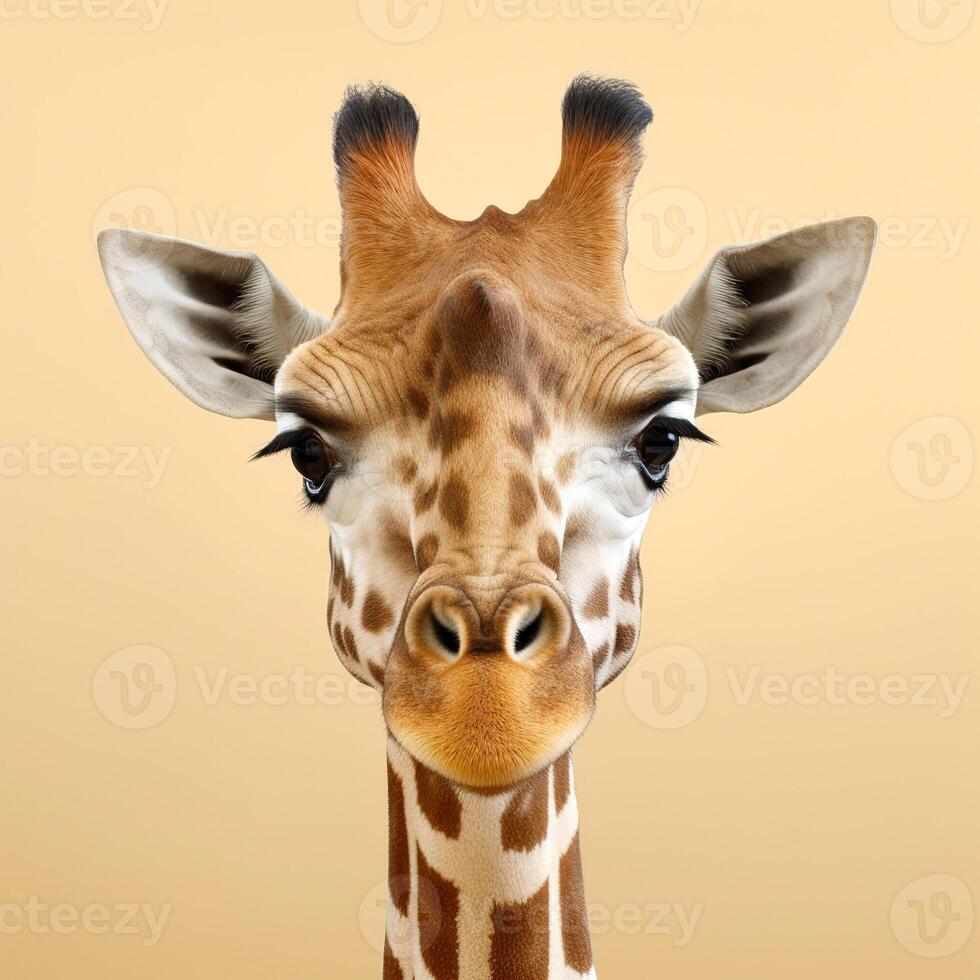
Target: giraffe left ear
{"x":216,"y":324}
{"x":763,"y":316}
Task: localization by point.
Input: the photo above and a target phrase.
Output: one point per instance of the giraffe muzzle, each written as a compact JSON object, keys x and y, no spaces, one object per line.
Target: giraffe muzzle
{"x":487,"y":686}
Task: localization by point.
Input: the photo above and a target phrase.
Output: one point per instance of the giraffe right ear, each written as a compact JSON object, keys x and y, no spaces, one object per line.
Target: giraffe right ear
{"x":216,"y":324}
{"x":763,"y":316}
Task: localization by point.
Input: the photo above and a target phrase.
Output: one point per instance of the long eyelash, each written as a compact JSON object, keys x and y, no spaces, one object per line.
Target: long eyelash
{"x":283,"y":441}
{"x":308,"y":504}
{"x":287,"y":440}
{"x":683,"y":428}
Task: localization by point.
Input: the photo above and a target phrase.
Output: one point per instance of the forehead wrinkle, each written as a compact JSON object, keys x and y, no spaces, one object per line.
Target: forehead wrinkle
{"x":362,"y":344}
{"x":386,"y":353}
{"x":343,"y":358}
{"x":663,"y":392}
{"x":310,"y":360}
{"x":300,"y":380}
{"x":644,"y":381}
{"x":641,"y":383}
{"x":339,"y":373}
{"x":366,"y":397}
{"x":608,"y":372}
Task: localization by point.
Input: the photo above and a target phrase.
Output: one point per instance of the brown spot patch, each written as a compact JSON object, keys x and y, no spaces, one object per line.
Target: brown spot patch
{"x":538,"y":422}
{"x":438,"y":903}
{"x":552,"y":377}
{"x":625,"y":638}
{"x":576,"y":529}
{"x":563,"y":780}
{"x":519,"y":945}
{"x":377,"y":673}
{"x":600,"y":657}
{"x":439,"y":801}
{"x":342,"y":582}
{"x":398,"y":857}
{"x":574,"y":915}
{"x":523,"y":502}
{"x":398,"y":548}
{"x":597,"y":605}
{"x":523,"y":438}
{"x":376,"y":614}
{"x":338,"y":639}
{"x":417,"y":402}
{"x":549,"y":494}
{"x":425,"y":553}
{"x":424,"y":498}
{"x":454,"y":502}
{"x":549,"y":551}
{"x":450,"y":431}
{"x":350,"y":644}
{"x":627,"y":591}
{"x":565,"y":467}
{"x":524,"y":823}
{"x":406,"y":469}
{"x":391,"y":969}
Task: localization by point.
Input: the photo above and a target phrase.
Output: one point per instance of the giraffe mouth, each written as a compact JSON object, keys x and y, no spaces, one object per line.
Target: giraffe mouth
{"x":489,"y":721}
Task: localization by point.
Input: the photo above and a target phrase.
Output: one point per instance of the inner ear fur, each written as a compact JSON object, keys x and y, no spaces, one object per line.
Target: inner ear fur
{"x":762,"y":316}
{"x":216,"y":324}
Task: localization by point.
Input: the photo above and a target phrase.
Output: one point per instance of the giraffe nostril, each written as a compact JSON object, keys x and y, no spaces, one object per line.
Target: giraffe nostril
{"x":439,"y":624}
{"x":447,"y":637}
{"x":528,"y":633}
{"x":527,"y":622}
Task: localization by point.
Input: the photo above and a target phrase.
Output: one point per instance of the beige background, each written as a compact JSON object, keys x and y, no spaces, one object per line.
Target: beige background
{"x":791,"y":829}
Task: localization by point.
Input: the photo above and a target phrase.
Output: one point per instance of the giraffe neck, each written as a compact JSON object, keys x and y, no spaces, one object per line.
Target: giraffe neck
{"x":484,"y":886}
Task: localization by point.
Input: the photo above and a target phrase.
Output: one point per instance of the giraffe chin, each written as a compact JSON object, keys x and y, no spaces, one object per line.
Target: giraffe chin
{"x":490,"y":726}
{"x":494,"y":768}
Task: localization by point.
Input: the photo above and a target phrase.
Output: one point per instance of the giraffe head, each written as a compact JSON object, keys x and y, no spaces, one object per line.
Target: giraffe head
{"x":485,"y":423}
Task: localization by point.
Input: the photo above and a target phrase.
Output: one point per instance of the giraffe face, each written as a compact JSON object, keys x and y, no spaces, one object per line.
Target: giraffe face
{"x":485,"y":423}
{"x":487,"y":498}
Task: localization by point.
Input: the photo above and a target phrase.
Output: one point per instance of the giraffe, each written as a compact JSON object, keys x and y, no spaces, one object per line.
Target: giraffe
{"x":484,"y":424}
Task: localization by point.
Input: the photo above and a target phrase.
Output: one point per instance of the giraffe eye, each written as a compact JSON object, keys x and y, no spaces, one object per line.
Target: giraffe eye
{"x":655,"y":447}
{"x":315,"y":462}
